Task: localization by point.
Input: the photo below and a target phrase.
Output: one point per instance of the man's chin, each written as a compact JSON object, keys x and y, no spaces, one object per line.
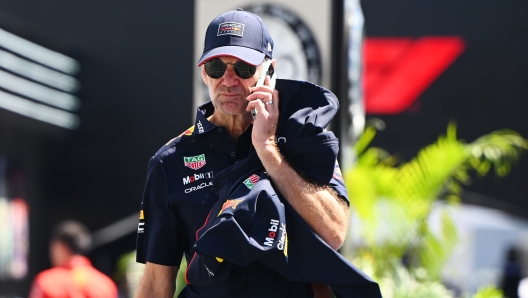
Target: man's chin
{"x":232,"y":109}
{"x":233,"y":113}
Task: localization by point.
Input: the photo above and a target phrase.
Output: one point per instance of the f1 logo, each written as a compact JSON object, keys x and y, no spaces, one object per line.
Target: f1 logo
{"x":398,"y":70}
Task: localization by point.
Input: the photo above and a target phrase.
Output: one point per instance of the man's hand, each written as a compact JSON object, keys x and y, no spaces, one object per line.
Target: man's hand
{"x":320,"y":207}
{"x":266,"y":101}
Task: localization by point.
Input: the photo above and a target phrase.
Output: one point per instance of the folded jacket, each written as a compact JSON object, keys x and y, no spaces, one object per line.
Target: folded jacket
{"x":251,"y":222}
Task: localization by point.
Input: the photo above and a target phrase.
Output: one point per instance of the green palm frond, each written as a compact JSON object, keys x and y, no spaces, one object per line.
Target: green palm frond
{"x":435,"y":249}
{"x":393,"y":201}
{"x":501,"y":149}
{"x":424,"y":177}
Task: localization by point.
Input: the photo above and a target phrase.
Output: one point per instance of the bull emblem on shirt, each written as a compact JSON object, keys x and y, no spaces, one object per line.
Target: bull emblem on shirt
{"x":229,"y":204}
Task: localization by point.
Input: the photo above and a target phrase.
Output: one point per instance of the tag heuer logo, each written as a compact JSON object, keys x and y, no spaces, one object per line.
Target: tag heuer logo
{"x":194,"y":162}
{"x":251,"y":181}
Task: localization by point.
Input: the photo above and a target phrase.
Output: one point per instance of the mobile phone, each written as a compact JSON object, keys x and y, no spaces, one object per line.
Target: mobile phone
{"x":267,"y":70}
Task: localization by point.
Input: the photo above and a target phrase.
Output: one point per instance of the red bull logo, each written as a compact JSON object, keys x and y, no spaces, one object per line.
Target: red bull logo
{"x":230,"y":204}
{"x":231,"y":28}
{"x":188,"y":132}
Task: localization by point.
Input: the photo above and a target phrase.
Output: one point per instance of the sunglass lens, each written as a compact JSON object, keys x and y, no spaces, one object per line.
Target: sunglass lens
{"x":244,"y":70}
{"x":215,"y":68}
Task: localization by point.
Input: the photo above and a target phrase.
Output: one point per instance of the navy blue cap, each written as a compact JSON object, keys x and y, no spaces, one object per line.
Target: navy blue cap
{"x":238,"y":34}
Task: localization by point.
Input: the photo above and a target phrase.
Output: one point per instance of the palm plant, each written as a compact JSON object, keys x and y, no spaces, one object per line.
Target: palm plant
{"x":393,"y":201}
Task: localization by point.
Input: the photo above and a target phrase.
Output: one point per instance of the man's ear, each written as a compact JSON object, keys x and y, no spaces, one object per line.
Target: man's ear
{"x":204,"y":76}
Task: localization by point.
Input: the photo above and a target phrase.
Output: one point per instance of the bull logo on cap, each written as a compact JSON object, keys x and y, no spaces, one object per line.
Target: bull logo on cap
{"x":231,"y":28}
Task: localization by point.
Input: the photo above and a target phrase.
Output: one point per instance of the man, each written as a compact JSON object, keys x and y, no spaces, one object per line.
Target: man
{"x":72,"y":275}
{"x":179,"y":194}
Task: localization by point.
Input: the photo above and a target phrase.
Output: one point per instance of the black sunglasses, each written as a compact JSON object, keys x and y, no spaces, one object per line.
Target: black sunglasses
{"x":215,"y":68}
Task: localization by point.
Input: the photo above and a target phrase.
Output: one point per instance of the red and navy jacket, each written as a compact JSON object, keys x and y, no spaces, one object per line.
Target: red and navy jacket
{"x":191,"y":173}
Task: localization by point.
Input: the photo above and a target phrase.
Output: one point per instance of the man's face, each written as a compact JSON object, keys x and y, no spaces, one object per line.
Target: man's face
{"x":229,"y":92}
{"x":60,"y":253}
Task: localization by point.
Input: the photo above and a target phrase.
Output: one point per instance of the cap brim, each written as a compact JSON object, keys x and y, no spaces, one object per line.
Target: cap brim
{"x":247,"y":55}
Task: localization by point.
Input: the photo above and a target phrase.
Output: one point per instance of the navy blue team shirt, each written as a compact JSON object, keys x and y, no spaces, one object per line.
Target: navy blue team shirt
{"x":179,"y":195}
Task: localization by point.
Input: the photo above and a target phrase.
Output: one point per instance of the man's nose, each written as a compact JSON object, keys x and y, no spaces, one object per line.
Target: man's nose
{"x":230,"y":78}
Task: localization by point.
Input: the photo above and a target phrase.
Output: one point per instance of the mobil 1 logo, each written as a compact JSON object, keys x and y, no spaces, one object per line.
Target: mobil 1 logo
{"x":195,"y":177}
{"x":276,"y":230}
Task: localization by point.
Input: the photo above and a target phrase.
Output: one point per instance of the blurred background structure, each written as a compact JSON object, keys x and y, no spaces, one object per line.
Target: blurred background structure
{"x":90,"y":90}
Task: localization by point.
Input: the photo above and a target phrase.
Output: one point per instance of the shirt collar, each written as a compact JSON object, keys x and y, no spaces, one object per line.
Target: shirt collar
{"x":201,"y":124}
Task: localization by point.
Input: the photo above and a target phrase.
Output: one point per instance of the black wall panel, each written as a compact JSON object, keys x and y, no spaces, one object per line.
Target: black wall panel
{"x":136,"y":69}
{"x":484,"y":90}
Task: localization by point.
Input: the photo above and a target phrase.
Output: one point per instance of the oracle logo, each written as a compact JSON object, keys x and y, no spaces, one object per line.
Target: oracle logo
{"x":200,"y":186}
